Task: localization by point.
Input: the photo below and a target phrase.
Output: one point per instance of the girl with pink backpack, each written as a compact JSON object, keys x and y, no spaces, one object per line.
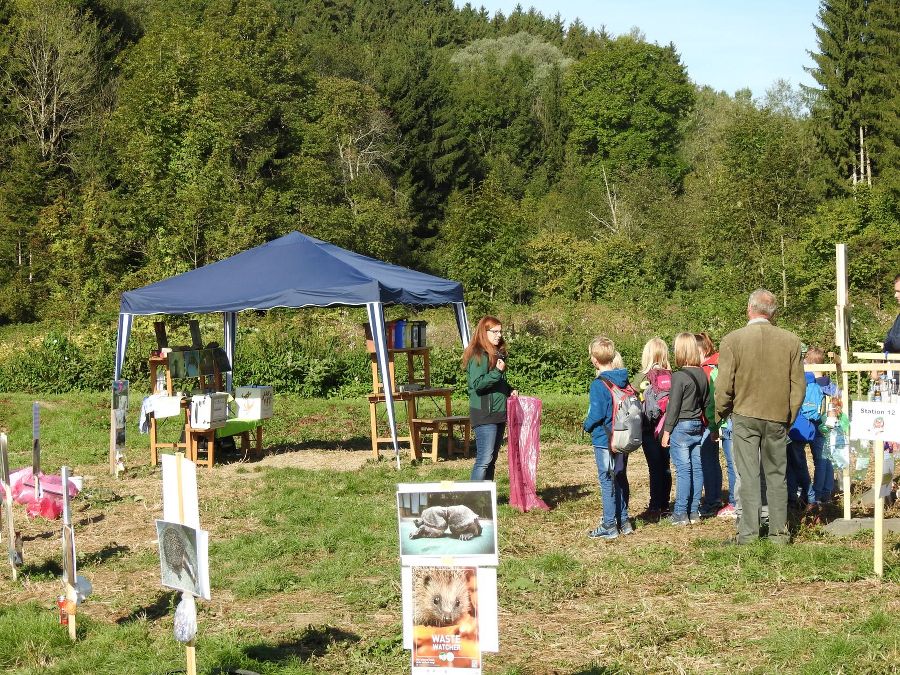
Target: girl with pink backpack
{"x":654,"y":383}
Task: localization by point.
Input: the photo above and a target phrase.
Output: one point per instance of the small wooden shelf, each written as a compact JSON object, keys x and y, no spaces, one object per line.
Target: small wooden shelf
{"x":417,"y":375}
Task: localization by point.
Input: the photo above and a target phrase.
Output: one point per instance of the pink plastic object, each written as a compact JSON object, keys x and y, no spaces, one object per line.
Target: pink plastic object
{"x":50,"y":504}
{"x":523,"y":416}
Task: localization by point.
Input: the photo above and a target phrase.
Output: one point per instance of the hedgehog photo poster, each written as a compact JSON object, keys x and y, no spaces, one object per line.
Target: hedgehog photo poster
{"x":445,"y":633}
{"x":485,"y":601}
{"x":184,"y":558}
{"x":441,"y":520}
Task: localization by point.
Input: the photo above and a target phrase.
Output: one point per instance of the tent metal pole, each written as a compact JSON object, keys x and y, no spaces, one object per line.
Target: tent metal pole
{"x":462,"y":322}
{"x":229,"y":336}
{"x":376,"y":322}
{"x":124,"y":332}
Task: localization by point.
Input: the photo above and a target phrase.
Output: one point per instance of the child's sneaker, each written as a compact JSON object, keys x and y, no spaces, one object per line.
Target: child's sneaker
{"x":626,"y":528}
{"x":694,"y":518}
{"x":603,"y":532}
{"x":727,"y":511}
{"x":679,"y":519}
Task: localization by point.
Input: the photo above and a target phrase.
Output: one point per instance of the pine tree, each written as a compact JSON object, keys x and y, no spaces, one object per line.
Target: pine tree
{"x":856,"y":115}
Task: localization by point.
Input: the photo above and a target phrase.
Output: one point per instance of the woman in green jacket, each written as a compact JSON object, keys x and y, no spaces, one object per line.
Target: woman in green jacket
{"x":485,"y":364}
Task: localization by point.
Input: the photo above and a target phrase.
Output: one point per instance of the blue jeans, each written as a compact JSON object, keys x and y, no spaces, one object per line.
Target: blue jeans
{"x":822,"y":484}
{"x":612,"y":472}
{"x":712,"y":471}
{"x":488,"y":438}
{"x":797,"y":474}
{"x":660,"y":472}
{"x":684,"y":446}
{"x":725,"y":435}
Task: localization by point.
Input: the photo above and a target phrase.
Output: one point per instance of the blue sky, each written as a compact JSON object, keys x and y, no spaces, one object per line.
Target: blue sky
{"x":727,"y":44}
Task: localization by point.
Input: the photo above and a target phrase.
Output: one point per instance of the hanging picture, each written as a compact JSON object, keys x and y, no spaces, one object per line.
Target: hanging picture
{"x":483,"y":599}
{"x":176,"y":364}
{"x":207,"y":362}
{"x":445,"y":620}
{"x":120,"y":407}
{"x":192,"y":363}
{"x":184,"y":558}
{"x":441,"y":520}
{"x":875,"y":421}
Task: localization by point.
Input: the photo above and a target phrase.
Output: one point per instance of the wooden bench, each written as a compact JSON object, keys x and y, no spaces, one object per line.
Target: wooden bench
{"x":437,"y":426}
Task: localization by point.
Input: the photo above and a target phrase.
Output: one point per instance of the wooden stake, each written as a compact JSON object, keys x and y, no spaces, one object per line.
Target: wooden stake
{"x":36,"y":448}
{"x":68,"y":541}
{"x":7,"y":505}
{"x":190,"y":650}
{"x":878,"y":450}
{"x":841,"y":330}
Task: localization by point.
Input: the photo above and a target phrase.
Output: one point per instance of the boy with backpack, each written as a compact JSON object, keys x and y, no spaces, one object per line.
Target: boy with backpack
{"x":614,"y":422}
{"x":805,"y":430}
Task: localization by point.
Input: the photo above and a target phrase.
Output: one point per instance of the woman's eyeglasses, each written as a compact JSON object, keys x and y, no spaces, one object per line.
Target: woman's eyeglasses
{"x":496,"y":331}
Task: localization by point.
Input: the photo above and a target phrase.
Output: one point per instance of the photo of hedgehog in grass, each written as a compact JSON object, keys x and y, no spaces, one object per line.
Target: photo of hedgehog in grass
{"x":178,"y":556}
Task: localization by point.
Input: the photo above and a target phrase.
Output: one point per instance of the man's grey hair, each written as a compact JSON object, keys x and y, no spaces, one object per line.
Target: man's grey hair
{"x":763,"y":302}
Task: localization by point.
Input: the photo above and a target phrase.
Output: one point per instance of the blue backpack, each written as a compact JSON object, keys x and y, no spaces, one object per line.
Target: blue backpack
{"x":804,"y":427}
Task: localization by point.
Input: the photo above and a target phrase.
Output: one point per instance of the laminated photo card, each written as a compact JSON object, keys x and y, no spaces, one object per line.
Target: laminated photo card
{"x":430,"y":595}
{"x":447,"y":521}
{"x":445,"y":621}
{"x":184,"y":558}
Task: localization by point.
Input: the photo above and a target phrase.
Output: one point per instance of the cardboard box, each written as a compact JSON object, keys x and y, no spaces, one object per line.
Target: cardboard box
{"x":254,"y":403}
{"x":209,"y":411}
{"x":166,"y":406}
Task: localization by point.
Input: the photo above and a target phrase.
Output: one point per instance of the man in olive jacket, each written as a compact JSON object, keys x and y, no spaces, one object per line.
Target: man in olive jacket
{"x":761,"y":385}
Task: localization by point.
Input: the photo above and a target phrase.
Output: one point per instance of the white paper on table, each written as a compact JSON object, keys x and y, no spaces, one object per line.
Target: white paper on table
{"x":188,"y":492}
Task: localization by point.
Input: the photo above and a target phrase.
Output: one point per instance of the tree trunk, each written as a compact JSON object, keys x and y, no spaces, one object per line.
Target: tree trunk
{"x":784,"y":289}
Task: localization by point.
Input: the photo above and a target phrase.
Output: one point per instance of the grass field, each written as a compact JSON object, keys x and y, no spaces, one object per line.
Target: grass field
{"x":306,"y":575}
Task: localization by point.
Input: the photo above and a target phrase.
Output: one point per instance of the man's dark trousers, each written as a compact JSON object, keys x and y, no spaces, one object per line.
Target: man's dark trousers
{"x":756,"y":442}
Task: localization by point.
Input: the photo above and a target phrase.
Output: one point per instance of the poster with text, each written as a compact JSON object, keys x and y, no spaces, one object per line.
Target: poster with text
{"x":445,"y":621}
{"x":487,"y":614}
{"x":451,"y":520}
{"x":875,"y":421}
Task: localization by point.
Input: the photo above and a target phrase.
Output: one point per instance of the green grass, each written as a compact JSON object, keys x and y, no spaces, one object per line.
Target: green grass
{"x":306,"y":576}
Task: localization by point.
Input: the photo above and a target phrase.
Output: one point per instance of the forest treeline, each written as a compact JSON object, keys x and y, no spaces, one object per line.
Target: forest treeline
{"x":522,"y":156}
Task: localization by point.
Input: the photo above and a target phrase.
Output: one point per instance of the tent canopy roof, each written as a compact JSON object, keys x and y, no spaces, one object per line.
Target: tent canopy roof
{"x":293,"y":271}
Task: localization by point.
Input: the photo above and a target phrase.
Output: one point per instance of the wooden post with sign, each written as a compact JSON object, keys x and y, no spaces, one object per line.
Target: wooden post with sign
{"x":68,"y":544}
{"x":11,"y":543}
{"x":878,"y":524}
{"x":190,"y":650}
{"x":842,"y":338}
{"x":36,"y":448}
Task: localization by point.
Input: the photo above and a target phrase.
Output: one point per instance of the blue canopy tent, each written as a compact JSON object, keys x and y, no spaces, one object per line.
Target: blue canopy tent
{"x":294,"y":271}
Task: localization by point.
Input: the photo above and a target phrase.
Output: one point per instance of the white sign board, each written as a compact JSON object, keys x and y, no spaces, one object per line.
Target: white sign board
{"x":875,"y":421}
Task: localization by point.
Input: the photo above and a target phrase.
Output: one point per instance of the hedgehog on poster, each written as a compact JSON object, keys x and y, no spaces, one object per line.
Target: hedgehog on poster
{"x":184,"y":558}
{"x":440,"y":520}
{"x":445,"y":621}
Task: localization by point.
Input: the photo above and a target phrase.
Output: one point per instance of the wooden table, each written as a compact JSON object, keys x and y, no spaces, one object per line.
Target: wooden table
{"x":411,"y":399}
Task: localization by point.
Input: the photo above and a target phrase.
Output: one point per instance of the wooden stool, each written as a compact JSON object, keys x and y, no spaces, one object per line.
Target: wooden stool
{"x":437,"y":426}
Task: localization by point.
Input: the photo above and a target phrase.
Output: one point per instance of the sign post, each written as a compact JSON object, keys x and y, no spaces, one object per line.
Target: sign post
{"x":12,"y":539}
{"x":36,"y":448}
{"x":68,"y":544}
